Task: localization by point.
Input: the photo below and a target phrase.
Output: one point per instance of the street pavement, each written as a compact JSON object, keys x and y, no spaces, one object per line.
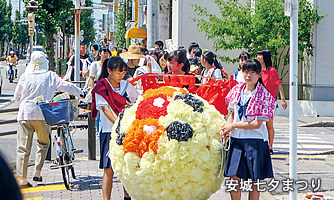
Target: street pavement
{"x":315,"y":160}
{"x":89,"y":176}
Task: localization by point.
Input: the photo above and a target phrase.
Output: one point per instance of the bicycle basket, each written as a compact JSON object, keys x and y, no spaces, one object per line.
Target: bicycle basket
{"x":60,"y":112}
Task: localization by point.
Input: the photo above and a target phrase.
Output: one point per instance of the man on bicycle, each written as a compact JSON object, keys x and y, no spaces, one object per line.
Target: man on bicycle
{"x":36,"y":81}
{"x":13,"y":61}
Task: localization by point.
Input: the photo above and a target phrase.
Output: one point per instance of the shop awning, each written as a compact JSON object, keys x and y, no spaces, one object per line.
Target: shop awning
{"x":135,"y":33}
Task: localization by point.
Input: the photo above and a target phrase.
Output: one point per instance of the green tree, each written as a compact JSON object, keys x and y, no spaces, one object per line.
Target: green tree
{"x":120,"y":22}
{"x":87,"y":24}
{"x":237,"y":27}
{"x":20,"y":33}
{"x":50,"y":16}
{"x":5,"y":22}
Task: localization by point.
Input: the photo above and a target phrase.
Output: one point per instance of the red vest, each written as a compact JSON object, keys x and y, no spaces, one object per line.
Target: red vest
{"x":115,"y":100}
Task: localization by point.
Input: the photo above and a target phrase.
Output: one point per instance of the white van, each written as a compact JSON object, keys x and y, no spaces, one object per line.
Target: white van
{"x":34,"y":48}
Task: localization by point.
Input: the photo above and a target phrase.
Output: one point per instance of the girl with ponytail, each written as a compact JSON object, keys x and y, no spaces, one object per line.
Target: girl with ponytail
{"x":93,"y":50}
{"x":109,"y":97}
{"x":211,"y":67}
{"x":96,"y":66}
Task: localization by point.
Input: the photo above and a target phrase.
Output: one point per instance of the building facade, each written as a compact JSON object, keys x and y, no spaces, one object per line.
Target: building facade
{"x":316,"y":85}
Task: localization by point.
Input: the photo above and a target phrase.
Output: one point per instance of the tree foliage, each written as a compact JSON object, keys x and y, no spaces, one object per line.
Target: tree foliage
{"x":87,"y":24}
{"x":237,"y":27}
{"x":20,"y":32}
{"x":121,"y":28}
{"x":50,"y":16}
{"x":5,"y":22}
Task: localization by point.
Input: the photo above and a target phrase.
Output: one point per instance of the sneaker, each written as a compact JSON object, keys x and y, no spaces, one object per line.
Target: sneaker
{"x":27,"y":185}
{"x":37,"y":179}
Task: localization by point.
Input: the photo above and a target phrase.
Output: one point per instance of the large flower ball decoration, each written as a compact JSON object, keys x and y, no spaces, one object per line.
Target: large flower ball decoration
{"x":167,"y":146}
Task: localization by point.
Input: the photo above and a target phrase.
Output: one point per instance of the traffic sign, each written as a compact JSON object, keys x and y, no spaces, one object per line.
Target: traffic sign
{"x":24,"y":22}
{"x":287,"y":8}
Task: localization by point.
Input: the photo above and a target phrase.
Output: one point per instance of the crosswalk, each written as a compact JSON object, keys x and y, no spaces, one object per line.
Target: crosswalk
{"x":307,"y":143}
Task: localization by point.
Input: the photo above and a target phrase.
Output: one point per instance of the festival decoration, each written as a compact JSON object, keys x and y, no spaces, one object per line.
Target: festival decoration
{"x":167,"y":146}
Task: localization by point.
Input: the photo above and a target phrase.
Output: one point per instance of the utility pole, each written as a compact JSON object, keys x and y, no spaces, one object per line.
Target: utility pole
{"x":77,"y":12}
{"x":292,"y":10}
{"x":152,"y":22}
{"x":91,"y":123}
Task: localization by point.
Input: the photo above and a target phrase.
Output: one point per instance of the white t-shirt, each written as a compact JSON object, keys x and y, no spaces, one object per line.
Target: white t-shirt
{"x":132,"y":93}
{"x":86,"y":65}
{"x":216,"y":74}
{"x":95,"y":70}
{"x":260,"y":133}
{"x":240,"y":77}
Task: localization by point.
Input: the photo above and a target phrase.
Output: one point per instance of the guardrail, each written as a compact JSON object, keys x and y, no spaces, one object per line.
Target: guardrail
{"x":85,"y":126}
{"x":90,"y":126}
{"x":80,"y":83}
{"x":8,"y":121}
{"x":9,"y":110}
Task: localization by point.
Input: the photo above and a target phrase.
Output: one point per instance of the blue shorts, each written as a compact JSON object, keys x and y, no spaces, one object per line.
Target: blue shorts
{"x":104,"y":150}
{"x":249,"y":159}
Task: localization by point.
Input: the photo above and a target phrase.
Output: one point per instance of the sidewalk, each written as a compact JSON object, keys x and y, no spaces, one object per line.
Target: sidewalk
{"x":88,"y":185}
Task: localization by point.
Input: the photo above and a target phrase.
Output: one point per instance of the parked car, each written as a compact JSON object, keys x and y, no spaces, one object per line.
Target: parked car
{"x":35,"y":48}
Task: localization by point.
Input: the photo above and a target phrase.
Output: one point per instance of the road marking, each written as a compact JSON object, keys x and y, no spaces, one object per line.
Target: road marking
{"x":300,"y":157}
{"x":44,"y":188}
{"x":306,"y":143}
{"x":32,"y":198}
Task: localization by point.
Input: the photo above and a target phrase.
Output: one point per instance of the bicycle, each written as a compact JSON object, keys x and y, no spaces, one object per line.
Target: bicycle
{"x":59,"y":114}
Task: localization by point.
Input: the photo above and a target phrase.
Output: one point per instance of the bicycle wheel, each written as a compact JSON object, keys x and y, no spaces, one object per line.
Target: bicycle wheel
{"x":72,"y":172}
{"x":64,"y":159}
{"x":65,"y":173}
{"x":11,"y":77}
{"x":68,"y":160}
{"x":68,"y":151}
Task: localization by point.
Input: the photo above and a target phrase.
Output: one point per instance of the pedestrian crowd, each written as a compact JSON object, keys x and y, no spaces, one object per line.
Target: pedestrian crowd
{"x":251,"y":103}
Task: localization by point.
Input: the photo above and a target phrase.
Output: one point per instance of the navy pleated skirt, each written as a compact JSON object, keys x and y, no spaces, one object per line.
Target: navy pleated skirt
{"x":104,"y":150}
{"x":249,"y":159}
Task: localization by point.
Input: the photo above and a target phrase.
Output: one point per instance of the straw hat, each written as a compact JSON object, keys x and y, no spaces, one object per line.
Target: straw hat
{"x":38,"y":63}
{"x":132,"y":53}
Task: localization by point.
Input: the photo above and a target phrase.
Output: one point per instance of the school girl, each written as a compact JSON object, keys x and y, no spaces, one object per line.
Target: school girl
{"x":109,"y":97}
{"x":271,"y":81}
{"x":239,"y":77}
{"x":211,"y":67}
{"x":250,"y":105}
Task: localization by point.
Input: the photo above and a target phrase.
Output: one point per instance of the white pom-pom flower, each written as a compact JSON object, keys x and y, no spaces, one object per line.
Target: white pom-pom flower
{"x":167,"y":146}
